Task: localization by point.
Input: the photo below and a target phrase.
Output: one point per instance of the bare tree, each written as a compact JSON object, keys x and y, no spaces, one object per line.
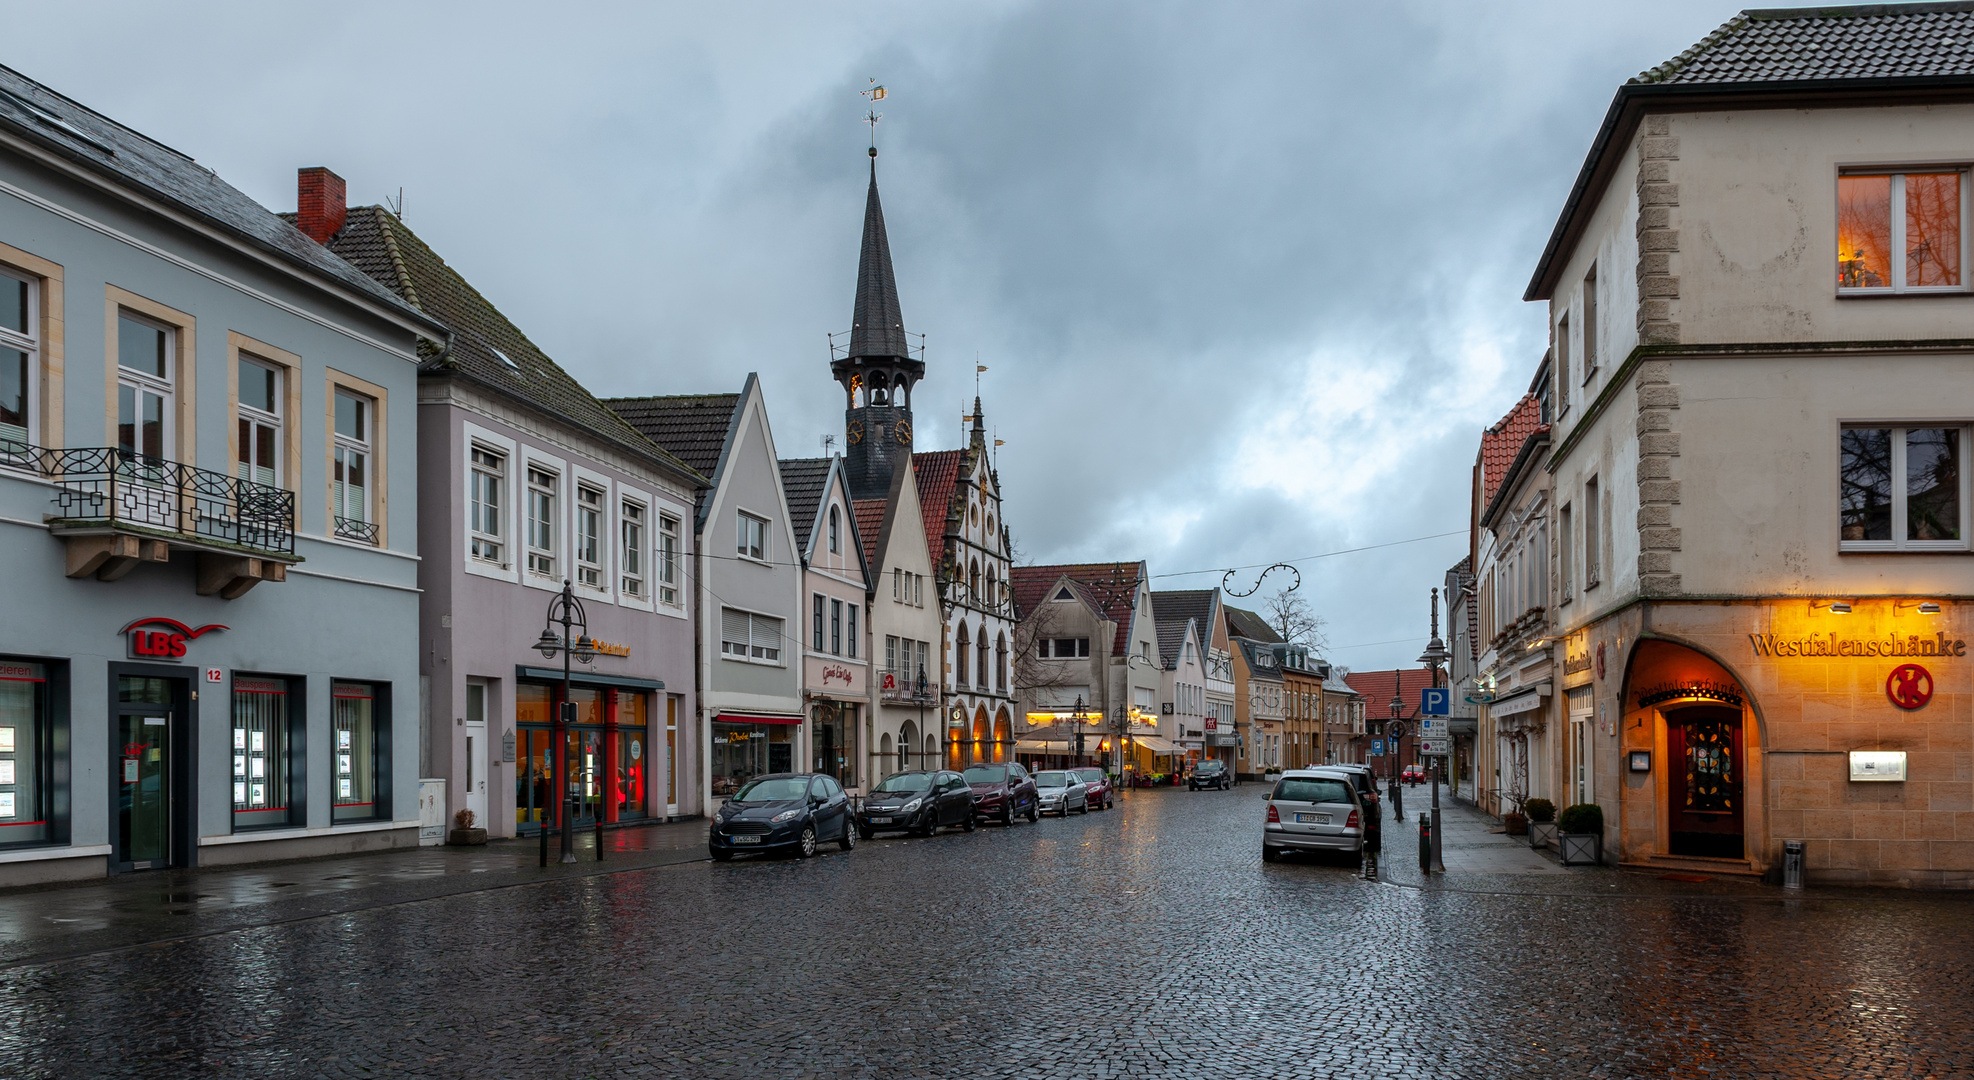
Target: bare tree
{"x":1289,"y":615}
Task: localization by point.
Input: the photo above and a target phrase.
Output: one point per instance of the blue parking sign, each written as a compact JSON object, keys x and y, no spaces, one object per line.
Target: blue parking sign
{"x":1435,"y":700}
{"x":1377,"y":748}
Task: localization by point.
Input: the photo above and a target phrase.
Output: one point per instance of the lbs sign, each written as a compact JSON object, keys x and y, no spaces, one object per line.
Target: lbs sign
{"x":161,"y":638}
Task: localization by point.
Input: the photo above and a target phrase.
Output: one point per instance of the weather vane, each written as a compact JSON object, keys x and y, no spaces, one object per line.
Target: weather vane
{"x":1226,"y":581}
{"x":876,"y":94}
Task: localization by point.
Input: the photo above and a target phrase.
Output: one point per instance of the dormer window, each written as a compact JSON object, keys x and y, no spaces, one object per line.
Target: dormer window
{"x":835,"y":528}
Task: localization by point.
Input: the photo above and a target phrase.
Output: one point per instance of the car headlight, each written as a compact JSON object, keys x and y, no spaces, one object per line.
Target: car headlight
{"x":910,"y":806}
{"x":787,"y":815}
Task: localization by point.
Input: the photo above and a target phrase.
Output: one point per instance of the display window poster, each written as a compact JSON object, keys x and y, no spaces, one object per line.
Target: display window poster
{"x":260,"y":795}
{"x":6,"y":740}
{"x":6,"y":804}
{"x":343,"y":739}
{"x":343,"y":764}
{"x":257,"y":742}
{"x":257,"y":768}
{"x":344,"y":788}
{"x":239,"y":738}
{"x":6,"y":772}
{"x":239,"y":793}
{"x":239,"y":765}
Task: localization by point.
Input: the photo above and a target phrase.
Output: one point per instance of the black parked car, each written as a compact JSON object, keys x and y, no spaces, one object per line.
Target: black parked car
{"x":919,"y":802}
{"x":1002,"y":793}
{"x":1211,"y":773}
{"x":781,"y":811}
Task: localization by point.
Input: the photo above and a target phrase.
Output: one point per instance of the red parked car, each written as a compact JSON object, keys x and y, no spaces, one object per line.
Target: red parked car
{"x":1413,"y":774}
{"x":1102,"y":795}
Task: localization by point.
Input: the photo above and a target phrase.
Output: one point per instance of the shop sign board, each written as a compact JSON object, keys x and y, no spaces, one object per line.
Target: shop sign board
{"x":831,"y":676}
{"x":159,"y":638}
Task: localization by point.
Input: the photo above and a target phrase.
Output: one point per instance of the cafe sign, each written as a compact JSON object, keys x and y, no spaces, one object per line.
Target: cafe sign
{"x":1835,"y":645}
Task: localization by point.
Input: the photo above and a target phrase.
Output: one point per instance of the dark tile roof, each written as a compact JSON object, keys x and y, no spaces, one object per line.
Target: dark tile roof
{"x":1111,"y":587}
{"x":1872,"y":41}
{"x":692,"y":427}
{"x":1242,"y":623}
{"x":1182,"y":604}
{"x":486,"y":347}
{"x":1377,"y":688}
{"x":870,"y":527}
{"x":938,"y":472}
{"x":877,"y":324}
{"x":102,"y":146}
{"x":802,"y":483}
{"x":1171,"y":635}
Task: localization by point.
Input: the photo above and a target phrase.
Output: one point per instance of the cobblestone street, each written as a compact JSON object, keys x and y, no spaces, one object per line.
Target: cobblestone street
{"x":1146,"y":941}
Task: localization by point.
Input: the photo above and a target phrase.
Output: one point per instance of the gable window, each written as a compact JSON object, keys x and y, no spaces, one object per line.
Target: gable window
{"x":631,"y":530}
{"x":1902,"y":488}
{"x":145,"y":373}
{"x":1899,"y":232}
{"x":589,"y":533}
{"x":1063,"y":648}
{"x":351,"y":495}
{"x":668,"y":559}
{"x":750,"y":637}
{"x":897,"y":584}
{"x":835,"y":530}
{"x":752,"y":536}
{"x":1593,"y":541}
{"x":918,"y":590}
{"x":541,"y":521}
{"x":20,"y":353}
{"x":488,"y":501}
{"x":259,"y":450}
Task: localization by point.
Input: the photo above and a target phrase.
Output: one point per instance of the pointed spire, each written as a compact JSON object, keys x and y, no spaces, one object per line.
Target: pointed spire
{"x":877,"y":325}
{"x":978,"y":423}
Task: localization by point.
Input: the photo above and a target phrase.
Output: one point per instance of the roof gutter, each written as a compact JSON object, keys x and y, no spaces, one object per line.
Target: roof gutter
{"x":1634,"y":101}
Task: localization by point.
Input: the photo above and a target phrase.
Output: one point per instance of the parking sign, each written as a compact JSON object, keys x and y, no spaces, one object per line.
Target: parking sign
{"x":1435,"y":700}
{"x":1377,"y":748}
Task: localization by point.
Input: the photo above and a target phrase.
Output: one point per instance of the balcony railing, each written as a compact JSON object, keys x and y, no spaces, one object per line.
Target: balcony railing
{"x":901,"y":685}
{"x":113,"y":487}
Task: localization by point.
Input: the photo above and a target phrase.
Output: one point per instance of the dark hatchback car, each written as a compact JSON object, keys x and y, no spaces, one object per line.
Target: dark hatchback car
{"x":782,"y":811}
{"x":1211,"y":773}
{"x":919,"y":802}
{"x":1002,"y":793}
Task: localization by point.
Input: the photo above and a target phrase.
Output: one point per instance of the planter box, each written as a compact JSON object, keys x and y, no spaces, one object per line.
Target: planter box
{"x":466,"y":837}
{"x":1517,"y":824}
{"x":1541,"y":834}
{"x":1581,"y":849}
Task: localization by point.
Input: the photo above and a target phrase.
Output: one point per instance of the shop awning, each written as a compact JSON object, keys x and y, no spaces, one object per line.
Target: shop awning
{"x":1050,"y":746}
{"x":1156,"y":746}
{"x":758,"y":718}
{"x":580,"y":678}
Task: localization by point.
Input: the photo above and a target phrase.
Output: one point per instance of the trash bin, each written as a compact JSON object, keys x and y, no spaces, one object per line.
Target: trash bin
{"x":1792,"y":864}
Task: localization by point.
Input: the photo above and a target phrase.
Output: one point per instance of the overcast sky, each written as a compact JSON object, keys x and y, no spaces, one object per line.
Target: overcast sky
{"x":1247,"y":278}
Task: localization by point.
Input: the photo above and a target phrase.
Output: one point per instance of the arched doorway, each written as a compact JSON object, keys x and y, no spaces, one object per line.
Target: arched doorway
{"x":931,"y":750}
{"x":884,"y":763}
{"x":907,"y":744}
{"x":1003,"y":736}
{"x":1690,"y":754}
{"x":982,"y":736}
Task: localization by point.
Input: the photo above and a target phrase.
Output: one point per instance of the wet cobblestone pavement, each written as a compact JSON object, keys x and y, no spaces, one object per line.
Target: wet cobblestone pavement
{"x":1147,"y":941}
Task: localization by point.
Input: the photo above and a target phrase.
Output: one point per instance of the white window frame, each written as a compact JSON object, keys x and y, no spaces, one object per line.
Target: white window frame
{"x":1898,"y":287}
{"x":1898,"y":542}
{"x":508,"y":568}
{"x":533,"y":524}
{"x":763,"y":636}
{"x":343,"y":445}
{"x":30,"y":343}
{"x":667,"y":567}
{"x":144,"y":382}
{"x":257,"y":417}
{"x":633,"y":538}
{"x":835,"y":530}
{"x":743,"y":547}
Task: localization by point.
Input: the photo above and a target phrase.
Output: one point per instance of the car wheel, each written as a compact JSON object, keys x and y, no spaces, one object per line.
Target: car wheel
{"x":720,"y":854}
{"x":849,"y":841}
{"x":928,"y":823}
{"x":1034,"y":815}
{"x":1007,"y":814}
{"x":969,"y":826}
{"x":1269,"y":854}
{"x":806,"y":846}
{"x":1109,"y":803}
{"x":1083,"y":807}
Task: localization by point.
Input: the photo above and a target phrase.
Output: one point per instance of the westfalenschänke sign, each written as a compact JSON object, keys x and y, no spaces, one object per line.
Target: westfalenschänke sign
{"x":1834,"y":645}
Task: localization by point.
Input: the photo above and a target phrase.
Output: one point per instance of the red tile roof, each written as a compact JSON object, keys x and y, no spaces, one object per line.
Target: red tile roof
{"x":1113,"y":587}
{"x":937,"y":471}
{"x":870,"y":520}
{"x":1378,"y":686}
{"x":1500,"y":444}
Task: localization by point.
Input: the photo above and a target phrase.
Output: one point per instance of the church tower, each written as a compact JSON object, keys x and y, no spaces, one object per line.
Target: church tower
{"x":877,"y":371}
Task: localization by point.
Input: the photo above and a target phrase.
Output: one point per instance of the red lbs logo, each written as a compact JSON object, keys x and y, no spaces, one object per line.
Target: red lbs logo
{"x":1909,"y":686}
{"x":164,"y":640}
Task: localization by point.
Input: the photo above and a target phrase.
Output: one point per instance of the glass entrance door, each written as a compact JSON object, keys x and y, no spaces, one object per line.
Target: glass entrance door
{"x":144,"y":790}
{"x":1704,"y":787}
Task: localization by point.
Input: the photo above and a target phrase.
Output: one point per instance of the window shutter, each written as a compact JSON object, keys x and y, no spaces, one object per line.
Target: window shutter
{"x":733,"y":630}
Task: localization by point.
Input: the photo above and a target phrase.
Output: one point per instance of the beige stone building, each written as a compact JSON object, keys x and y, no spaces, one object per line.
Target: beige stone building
{"x":1760,"y":311}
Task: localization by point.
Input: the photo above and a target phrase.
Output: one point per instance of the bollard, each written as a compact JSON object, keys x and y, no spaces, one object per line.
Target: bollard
{"x":1425,"y":843}
{"x":1792,"y":864}
{"x":599,"y":838}
{"x":543,"y":831}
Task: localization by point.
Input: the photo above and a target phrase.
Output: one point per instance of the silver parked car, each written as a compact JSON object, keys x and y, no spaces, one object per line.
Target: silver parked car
{"x":1059,"y":792}
{"x":1313,"y":810}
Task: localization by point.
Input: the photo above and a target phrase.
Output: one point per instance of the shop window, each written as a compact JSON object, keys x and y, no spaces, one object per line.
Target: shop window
{"x":668,"y":559}
{"x":259,"y":437}
{"x":488,"y":499}
{"x":266,"y":749}
{"x":631,"y":762}
{"x":671,"y":751}
{"x":834,"y":741}
{"x":589,"y":536}
{"x":1902,"y":488}
{"x":27,"y":755}
{"x":534,"y":765}
{"x":357,"y":742}
{"x":20,"y":358}
{"x":351,"y":495}
{"x":1899,"y":232}
{"x":744,"y":751}
{"x":750,"y":637}
{"x":542,"y":490}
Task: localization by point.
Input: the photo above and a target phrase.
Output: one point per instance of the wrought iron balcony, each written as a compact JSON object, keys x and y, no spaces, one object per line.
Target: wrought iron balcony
{"x":901,"y":685}
{"x":116,"y":508}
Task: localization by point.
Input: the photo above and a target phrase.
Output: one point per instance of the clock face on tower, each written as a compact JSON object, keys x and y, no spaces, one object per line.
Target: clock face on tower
{"x":856,"y":431}
{"x":904,"y":432}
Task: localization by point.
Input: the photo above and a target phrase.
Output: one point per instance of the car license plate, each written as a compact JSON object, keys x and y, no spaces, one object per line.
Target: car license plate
{"x":880,"y":821}
{"x":1312,"y":819}
{"x":745,"y":839}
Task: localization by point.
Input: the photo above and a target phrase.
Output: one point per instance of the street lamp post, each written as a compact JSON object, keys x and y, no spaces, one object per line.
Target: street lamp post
{"x":1078,"y":717}
{"x":568,"y":611}
{"x":1392,"y":732}
{"x":1435,"y":655}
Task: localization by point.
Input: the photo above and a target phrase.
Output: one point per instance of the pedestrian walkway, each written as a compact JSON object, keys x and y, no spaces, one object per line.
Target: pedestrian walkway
{"x":1471,"y":842}
{"x":39,"y":923}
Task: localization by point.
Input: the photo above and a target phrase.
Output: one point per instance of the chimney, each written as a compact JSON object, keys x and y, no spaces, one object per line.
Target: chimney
{"x":321,"y":203}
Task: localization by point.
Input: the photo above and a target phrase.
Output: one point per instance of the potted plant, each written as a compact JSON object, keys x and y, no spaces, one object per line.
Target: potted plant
{"x":1581,"y":834}
{"x":1515,"y":822}
{"x":463,"y":832}
{"x":1541,"y":822}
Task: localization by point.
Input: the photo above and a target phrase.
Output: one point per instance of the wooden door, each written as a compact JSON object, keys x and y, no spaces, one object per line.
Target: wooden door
{"x":1704,"y":788}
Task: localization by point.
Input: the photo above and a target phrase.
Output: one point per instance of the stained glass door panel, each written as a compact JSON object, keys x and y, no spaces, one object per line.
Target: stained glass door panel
{"x":1705,"y":786}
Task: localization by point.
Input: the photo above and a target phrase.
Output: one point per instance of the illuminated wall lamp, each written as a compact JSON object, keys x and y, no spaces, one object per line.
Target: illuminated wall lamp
{"x":1837,"y":607}
{"x":1925,"y":607}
